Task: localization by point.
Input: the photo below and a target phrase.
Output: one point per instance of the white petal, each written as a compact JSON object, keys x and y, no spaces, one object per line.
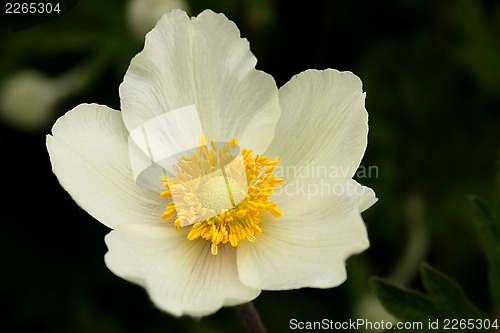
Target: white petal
{"x":323,"y":124}
{"x":182,"y":277}
{"x":89,"y":154}
{"x":308,"y":245}
{"x":366,"y":197}
{"x":202,"y":61}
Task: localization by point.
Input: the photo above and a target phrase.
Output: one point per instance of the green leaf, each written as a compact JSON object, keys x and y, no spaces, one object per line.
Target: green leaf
{"x":489,"y":235}
{"x":405,"y":304}
{"x":448,"y":297}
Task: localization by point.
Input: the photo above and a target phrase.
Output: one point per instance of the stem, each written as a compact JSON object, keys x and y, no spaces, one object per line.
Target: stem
{"x":250,"y":317}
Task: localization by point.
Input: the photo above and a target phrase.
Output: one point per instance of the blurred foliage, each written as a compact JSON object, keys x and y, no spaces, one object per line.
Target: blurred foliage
{"x":432,"y":76}
{"x":444,"y":301}
{"x":487,"y":221}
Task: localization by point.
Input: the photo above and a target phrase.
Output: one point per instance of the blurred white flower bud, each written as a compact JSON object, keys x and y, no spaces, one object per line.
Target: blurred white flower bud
{"x":259,"y":15}
{"x":142,"y":15}
{"x":28,"y":98}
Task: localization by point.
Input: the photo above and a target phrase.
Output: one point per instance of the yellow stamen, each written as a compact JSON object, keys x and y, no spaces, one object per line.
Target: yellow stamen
{"x":227,"y":192}
{"x":214,"y":249}
{"x":166,"y":194}
{"x":275,"y":211}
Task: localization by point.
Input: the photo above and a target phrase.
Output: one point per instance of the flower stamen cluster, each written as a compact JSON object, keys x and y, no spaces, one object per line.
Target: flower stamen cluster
{"x":221,"y":194}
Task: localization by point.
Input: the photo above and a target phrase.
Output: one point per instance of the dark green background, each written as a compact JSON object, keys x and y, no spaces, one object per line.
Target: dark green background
{"x":431,"y":71}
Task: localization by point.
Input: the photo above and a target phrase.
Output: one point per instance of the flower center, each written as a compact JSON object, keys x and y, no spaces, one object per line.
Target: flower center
{"x":216,"y":195}
{"x":220,"y":193}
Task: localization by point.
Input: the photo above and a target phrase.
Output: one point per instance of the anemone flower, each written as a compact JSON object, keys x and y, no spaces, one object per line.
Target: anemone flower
{"x":254,"y":189}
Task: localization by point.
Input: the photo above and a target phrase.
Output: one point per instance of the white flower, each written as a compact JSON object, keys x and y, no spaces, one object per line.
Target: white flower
{"x":318,"y":119}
